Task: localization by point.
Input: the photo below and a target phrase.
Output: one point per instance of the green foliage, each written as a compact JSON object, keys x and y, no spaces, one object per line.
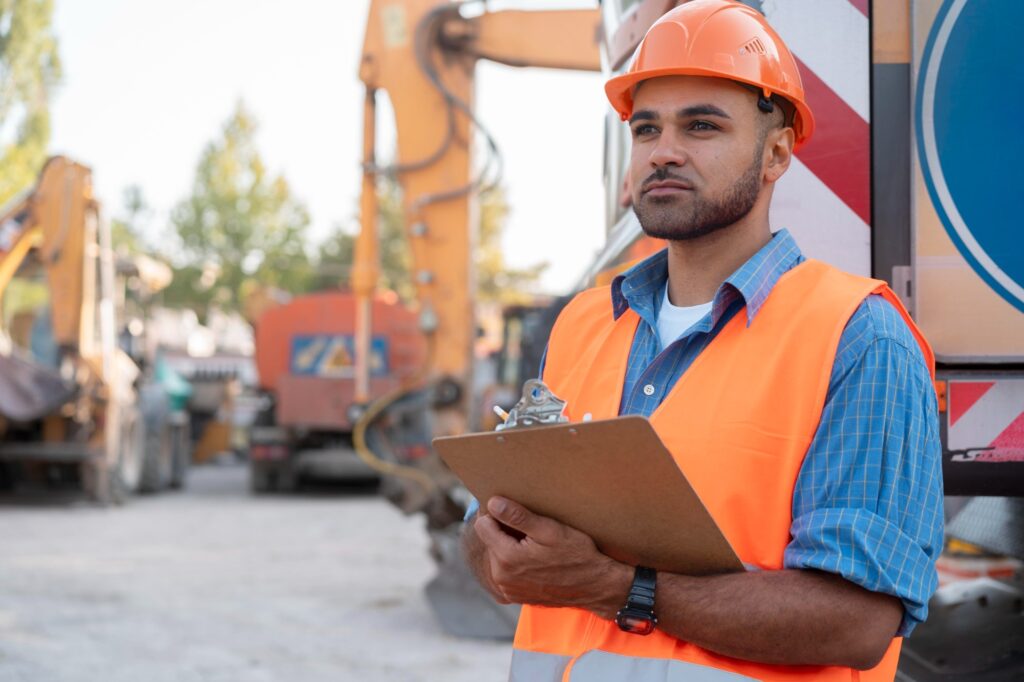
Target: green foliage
{"x":126,"y":230}
{"x":29,"y":70}
{"x":334,"y":259}
{"x":24,"y":295}
{"x":239,"y":224}
{"x":337,"y":253}
{"x":395,"y":254}
{"x":496,"y":282}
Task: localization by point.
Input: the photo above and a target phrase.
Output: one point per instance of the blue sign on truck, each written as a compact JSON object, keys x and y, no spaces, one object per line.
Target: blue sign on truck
{"x":970,"y":96}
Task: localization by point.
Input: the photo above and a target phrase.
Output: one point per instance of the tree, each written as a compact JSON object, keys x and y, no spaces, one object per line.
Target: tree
{"x":337,"y":252}
{"x":239,"y":224}
{"x":29,"y":71}
{"x":497,"y":282}
{"x":126,"y":230}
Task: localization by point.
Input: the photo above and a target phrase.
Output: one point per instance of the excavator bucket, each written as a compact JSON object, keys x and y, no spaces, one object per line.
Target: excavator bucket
{"x":463,"y":608}
{"x":29,"y":391}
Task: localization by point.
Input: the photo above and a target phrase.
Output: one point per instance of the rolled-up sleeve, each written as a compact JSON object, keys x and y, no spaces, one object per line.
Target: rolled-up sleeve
{"x":867,"y":504}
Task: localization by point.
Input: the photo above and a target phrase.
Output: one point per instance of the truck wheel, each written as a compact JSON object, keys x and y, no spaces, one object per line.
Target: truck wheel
{"x":155,"y":458}
{"x":180,"y":450}
{"x":102,"y":483}
{"x":156,"y":440}
{"x":126,"y":476}
{"x":287,"y":477}
{"x":261,"y":478}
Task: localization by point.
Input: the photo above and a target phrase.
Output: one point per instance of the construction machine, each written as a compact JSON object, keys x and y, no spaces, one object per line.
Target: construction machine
{"x":422,"y":55}
{"x":887,"y":187}
{"x":74,"y":406}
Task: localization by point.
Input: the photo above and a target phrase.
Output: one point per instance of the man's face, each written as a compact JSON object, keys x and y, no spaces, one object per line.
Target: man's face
{"x":696,"y":162}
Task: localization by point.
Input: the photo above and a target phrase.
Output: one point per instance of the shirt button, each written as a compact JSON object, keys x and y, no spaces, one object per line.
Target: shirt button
{"x":649,"y":389}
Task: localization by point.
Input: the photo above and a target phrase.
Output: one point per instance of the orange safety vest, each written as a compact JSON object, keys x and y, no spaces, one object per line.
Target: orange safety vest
{"x":738,"y":423}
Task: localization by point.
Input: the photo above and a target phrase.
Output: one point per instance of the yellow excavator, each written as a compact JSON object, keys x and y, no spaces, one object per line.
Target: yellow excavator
{"x":74,"y":406}
{"x":422,"y":54}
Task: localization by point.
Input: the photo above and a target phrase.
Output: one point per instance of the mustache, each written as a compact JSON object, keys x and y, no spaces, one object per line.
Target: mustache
{"x":661,"y":175}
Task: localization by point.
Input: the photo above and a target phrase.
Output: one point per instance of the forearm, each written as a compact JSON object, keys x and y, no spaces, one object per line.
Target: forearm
{"x":795,"y":617}
{"x":782,"y":617}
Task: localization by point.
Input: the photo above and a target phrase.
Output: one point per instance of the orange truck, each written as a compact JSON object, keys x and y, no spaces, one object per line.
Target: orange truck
{"x":304,"y":360}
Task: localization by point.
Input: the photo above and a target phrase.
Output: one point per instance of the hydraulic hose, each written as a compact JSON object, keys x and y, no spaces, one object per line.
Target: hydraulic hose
{"x":373,"y":410}
{"x":371,"y":459}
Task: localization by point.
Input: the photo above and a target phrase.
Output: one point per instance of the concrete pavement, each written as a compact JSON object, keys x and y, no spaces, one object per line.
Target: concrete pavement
{"x":213,"y":584}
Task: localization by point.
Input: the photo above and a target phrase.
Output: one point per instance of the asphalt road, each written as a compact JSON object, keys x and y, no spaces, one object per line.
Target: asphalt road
{"x":214,"y":584}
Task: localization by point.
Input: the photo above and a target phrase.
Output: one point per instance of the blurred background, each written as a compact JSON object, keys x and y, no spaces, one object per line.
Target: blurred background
{"x":255,"y":255}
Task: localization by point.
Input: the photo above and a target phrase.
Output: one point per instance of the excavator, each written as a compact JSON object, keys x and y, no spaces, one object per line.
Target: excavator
{"x":422,"y":55}
{"x":74,"y":405}
{"x":872,"y":70}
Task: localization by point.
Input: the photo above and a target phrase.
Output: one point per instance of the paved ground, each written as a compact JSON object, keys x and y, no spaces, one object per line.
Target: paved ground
{"x":214,"y":584}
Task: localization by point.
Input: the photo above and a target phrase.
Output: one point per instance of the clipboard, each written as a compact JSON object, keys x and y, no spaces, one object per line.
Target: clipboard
{"x":612,"y":479}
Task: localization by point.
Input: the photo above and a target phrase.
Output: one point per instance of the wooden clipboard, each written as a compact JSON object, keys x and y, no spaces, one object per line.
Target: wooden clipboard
{"x":612,"y":479}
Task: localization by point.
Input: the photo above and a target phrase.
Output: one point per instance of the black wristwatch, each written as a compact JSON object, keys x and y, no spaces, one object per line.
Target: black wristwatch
{"x":637,"y":616}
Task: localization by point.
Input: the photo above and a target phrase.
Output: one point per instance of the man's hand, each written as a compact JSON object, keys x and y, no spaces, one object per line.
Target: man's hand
{"x":789,"y":617}
{"x":551,"y":565}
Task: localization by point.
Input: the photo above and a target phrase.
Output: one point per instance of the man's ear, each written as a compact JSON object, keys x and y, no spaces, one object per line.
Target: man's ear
{"x":778,"y":149}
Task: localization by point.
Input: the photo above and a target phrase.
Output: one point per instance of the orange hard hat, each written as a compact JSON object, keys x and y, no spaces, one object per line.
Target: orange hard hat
{"x":721,"y":39}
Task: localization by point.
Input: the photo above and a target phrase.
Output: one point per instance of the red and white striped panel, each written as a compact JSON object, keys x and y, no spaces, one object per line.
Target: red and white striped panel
{"x":825,"y":197}
{"x":986,"y":420}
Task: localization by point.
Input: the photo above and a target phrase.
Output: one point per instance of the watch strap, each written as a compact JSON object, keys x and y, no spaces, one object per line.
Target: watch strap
{"x":637,"y":616}
{"x":641,"y":593}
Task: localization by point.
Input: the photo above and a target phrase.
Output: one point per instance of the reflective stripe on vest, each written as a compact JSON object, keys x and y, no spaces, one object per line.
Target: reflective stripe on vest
{"x":534,"y":666}
{"x":748,"y":406}
{"x":601,"y":666}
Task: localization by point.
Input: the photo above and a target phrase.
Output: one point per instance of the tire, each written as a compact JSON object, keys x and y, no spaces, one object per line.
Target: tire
{"x":287,"y":477}
{"x":154,"y":462}
{"x":126,"y":476}
{"x":181,"y":452}
{"x":156,"y":441}
{"x":261,"y":477}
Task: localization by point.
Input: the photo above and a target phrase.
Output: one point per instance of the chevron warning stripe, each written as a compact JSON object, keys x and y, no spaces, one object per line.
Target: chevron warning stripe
{"x":986,"y":420}
{"x":825,"y":198}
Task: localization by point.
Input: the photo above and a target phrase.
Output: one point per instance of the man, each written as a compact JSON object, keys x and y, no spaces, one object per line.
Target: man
{"x":796,"y":398}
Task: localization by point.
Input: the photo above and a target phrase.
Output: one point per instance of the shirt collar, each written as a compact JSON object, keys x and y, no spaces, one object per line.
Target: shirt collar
{"x":641,"y":287}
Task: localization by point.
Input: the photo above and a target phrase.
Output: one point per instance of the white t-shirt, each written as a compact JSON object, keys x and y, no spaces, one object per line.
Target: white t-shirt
{"x":674,"y":320}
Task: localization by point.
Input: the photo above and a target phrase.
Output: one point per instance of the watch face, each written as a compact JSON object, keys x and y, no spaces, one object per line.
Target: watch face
{"x":637,"y":625}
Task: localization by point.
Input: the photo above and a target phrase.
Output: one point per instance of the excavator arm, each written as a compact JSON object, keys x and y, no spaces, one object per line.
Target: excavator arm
{"x":52,"y":222}
{"x":422,"y":54}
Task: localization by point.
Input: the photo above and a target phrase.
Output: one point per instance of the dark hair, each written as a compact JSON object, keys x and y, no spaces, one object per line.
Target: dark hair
{"x":767,"y":105}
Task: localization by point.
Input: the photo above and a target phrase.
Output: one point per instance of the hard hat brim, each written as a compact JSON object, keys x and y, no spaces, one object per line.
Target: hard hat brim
{"x":619,"y":91}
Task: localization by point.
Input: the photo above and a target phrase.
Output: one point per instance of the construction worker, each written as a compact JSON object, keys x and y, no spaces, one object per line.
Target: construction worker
{"x":796,"y":398}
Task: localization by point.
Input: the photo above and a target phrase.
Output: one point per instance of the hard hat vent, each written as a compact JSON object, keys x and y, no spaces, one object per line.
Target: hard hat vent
{"x":754,"y":46}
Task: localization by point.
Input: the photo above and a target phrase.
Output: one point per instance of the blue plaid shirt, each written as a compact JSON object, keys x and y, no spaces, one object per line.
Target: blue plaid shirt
{"x":867,"y":504}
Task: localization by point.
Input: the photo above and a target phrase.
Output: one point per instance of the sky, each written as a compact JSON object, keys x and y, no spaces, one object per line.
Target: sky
{"x":148,"y":83}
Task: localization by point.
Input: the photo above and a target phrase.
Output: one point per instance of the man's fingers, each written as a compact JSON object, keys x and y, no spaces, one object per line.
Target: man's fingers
{"x":514,"y":515}
{"x":488,"y":530}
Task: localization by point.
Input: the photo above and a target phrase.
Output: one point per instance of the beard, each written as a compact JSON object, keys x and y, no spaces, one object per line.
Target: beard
{"x":680,"y":218}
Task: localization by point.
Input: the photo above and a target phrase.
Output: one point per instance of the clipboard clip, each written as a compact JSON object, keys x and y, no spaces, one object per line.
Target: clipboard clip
{"x":538,"y":407}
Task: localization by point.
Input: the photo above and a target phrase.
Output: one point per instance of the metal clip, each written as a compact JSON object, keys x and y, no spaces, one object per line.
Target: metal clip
{"x":537,"y":407}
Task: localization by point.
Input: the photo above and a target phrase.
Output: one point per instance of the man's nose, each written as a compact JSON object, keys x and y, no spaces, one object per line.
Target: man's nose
{"x":668,"y":151}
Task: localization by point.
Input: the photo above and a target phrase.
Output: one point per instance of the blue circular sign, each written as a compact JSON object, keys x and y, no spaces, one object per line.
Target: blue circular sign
{"x":970,"y":135}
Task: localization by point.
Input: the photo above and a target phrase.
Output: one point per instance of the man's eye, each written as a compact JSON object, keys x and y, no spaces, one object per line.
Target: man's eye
{"x":703,"y":126}
{"x":643,"y":129}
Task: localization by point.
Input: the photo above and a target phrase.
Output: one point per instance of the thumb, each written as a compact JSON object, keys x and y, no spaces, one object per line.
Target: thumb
{"x":518,"y":517}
